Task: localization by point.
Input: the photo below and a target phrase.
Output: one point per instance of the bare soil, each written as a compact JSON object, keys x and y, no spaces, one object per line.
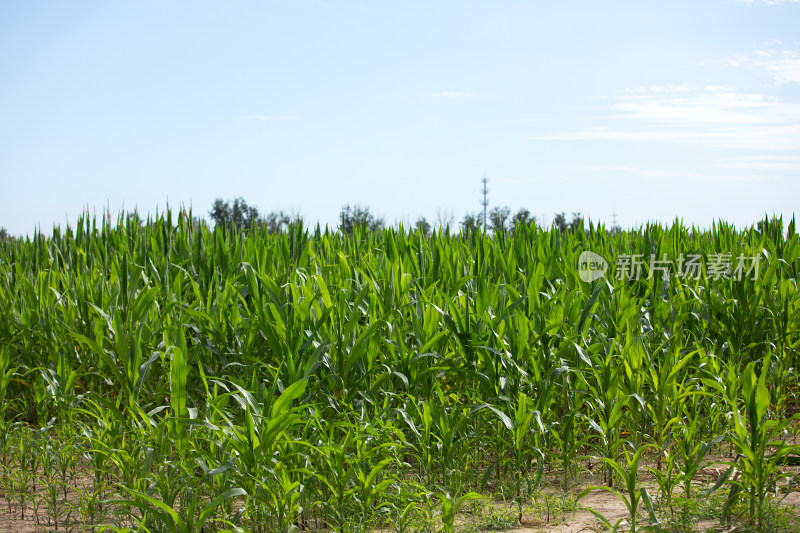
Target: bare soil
{"x":605,"y":503}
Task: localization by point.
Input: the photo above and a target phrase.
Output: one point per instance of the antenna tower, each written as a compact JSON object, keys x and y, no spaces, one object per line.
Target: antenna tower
{"x":485,"y":202}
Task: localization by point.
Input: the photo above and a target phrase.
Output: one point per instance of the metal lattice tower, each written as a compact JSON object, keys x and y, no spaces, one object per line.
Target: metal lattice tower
{"x":485,"y":202}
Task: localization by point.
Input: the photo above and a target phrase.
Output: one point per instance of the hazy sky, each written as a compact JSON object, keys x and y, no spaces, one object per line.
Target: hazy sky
{"x":650,"y":109}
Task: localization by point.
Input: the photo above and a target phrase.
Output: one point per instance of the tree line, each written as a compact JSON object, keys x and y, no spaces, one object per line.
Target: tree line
{"x":239,"y":214}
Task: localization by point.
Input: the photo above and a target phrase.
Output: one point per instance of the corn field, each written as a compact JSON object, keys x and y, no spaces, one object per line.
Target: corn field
{"x":158,"y":375}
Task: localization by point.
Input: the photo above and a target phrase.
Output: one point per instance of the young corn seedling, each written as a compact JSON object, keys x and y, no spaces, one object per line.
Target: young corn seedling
{"x":450,"y":506}
{"x":568,"y":435}
{"x":27,"y":463}
{"x":406,"y":510}
{"x":8,"y":452}
{"x":284,"y":498}
{"x":6,"y":375}
{"x":665,"y":378}
{"x":336,"y":475}
{"x":449,"y":430}
{"x":417,"y":415}
{"x":692,"y":453}
{"x":634,"y":496}
{"x":256,"y":444}
{"x":523,"y":423}
{"x":194,"y":518}
{"x":667,"y":477}
{"x":607,"y":403}
{"x":52,"y":486}
{"x":754,"y":435}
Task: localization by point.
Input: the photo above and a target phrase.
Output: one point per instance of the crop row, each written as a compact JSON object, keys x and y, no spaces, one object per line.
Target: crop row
{"x":180,"y":377}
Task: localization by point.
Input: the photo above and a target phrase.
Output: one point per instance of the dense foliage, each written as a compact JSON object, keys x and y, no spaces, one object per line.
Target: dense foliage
{"x":175,"y":376}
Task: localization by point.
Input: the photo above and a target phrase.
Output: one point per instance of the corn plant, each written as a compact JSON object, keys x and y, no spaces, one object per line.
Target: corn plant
{"x":607,"y":403}
{"x":522,"y":423}
{"x":449,"y":429}
{"x":667,"y":477}
{"x":27,"y":463}
{"x":53,"y":482}
{"x":753,"y":434}
{"x":6,"y":374}
{"x":634,"y":495}
{"x":194,"y":518}
{"x":321,"y":372}
{"x":692,"y":452}
{"x":450,"y":506}
{"x":7,"y":451}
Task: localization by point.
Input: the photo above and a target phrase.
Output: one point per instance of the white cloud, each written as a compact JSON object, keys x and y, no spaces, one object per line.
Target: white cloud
{"x":658,"y":89}
{"x":452,"y":94}
{"x":645,"y":172}
{"x":669,"y":174}
{"x":768,"y":2}
{"x":717,"y":116}
{"x":763,"y":162}
{"x":786,"y":68}
{"x":268,"y":118}
{"x":781,"y":64}
{"x":513,"y":180}
{"x":736,"y":61}
{"x":707,"y":106}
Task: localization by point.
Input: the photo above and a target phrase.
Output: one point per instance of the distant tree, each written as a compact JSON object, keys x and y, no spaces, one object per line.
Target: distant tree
{"x":4,"y":234}
{"x":498,"y":217}
{"x":423,"y":225}
{"x":577,"y":221}
{"x":220,"y":212}
{"x":471,"y":223}
{"x":243,"y":215}
{"x":237,"y":214}
{"x":277,"y":222}
{"x":523,"y":218}
{"x":350,"y":217}
{"x":560,"y":221}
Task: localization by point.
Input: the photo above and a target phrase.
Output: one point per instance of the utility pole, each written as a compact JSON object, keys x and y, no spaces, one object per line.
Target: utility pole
{"x":485,"y":202}
{"x":614,"y":219}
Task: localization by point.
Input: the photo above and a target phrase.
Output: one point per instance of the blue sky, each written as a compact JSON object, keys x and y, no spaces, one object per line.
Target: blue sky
{"x":650,"y":110}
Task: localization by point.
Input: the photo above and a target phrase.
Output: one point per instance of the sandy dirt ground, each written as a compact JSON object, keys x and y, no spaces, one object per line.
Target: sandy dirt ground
{"x":605,"y":503}
{"x":601,"y":501}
